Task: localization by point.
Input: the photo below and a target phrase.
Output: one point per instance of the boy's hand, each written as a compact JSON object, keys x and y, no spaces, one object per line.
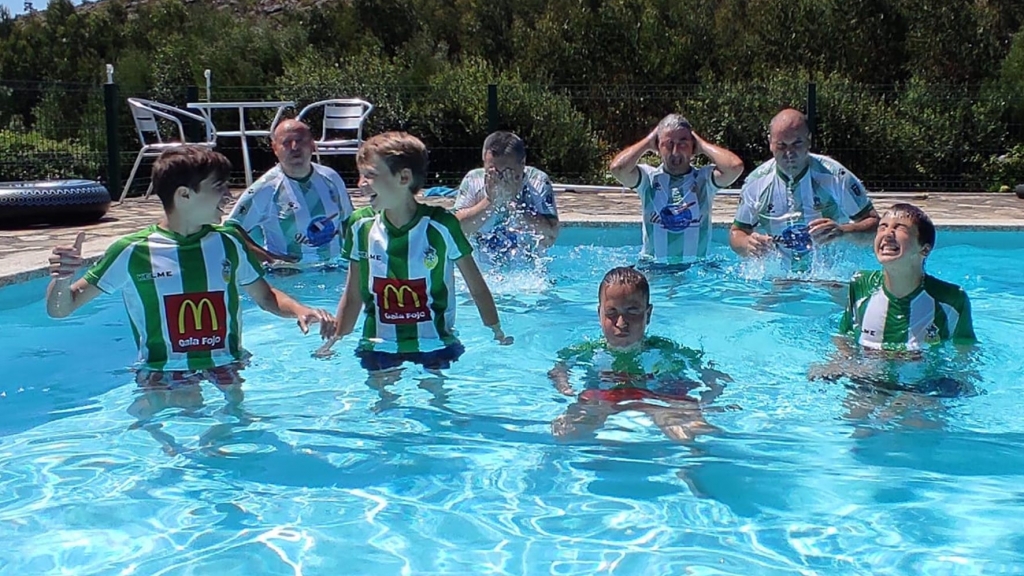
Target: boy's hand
{"x":66,"y":260}
{"x":307,"y":316}
{"x":500,"y":336}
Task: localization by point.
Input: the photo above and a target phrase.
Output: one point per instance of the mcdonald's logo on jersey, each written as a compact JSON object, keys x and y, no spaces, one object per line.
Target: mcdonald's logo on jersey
{"x":401,"y":301}
{"x":197,"y":321}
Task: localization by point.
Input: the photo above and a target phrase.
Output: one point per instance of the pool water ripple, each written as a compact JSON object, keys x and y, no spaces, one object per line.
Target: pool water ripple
{"x":320,"y":472}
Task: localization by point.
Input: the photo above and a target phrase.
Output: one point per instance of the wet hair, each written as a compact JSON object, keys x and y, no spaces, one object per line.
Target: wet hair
{"x":625,"y":276}
{"x":398,"y":150}
{"x":186,"y":166}
{"x":922,"y":223}
{"x":503,"y":143}
{"x":672,"y":122}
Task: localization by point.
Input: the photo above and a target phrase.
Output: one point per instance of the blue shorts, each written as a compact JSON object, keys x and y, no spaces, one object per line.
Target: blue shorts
{"x":373,"y":360}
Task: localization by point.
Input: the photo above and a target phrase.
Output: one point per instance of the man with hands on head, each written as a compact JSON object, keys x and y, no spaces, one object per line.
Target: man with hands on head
{"x":676,"y":197}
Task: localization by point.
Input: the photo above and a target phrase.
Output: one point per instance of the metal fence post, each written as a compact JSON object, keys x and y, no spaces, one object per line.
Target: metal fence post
{"x":192,"y":129}
{"x":492,"y":107}
{"x":110,"y":101}
{"x":812,"y":105}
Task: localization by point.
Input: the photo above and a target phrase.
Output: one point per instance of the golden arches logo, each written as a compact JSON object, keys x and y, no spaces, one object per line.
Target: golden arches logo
{"x":399,"y":296}
{"x":197,"y":314}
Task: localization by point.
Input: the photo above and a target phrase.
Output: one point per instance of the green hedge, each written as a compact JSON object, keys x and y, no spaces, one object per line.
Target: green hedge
{"x":30,"y":156}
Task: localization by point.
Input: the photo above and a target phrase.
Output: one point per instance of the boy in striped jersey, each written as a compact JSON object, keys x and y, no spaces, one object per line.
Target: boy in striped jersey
{"x":901,"y":308}
{"x":180,"y":278}
{"x":402,"y":257}
{"x":628,"y":369}
{"x":897,"y":313}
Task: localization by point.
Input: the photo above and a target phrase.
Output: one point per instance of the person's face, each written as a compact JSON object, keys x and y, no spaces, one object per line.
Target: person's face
{"x":897,"y":244}
{"x":384,"y":189}
{"x":505,"y":168}
{"x":624,"y":314}
{"x":676,"y":149}
{"x":206,"y":205}
{"x":791,"y":147}
{"x":293,"y":146}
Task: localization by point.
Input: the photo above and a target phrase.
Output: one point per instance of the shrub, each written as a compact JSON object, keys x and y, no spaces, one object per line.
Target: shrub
{"x":1005,"y":169}
{"x":30,"y":156}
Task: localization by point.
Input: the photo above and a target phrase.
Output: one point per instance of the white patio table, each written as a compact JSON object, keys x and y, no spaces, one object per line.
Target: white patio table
{"x":207,"y":108}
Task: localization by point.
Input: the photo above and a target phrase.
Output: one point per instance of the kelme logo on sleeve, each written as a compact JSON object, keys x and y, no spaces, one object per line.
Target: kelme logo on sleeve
{"x":196,"y":322}
{"x":401,"y":301}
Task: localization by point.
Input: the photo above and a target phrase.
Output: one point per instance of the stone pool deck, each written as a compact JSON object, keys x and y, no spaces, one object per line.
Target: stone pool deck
{"x":24,"y":252}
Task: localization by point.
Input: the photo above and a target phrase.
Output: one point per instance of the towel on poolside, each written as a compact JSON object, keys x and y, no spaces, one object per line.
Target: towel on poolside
{"x":440,"y":191}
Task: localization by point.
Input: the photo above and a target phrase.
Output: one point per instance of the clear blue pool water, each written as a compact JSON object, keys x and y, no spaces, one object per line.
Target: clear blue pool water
{"x":318,"y":473}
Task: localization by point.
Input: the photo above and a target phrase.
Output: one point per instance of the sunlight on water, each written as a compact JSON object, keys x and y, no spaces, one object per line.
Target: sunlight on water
{"x":319,"y":471}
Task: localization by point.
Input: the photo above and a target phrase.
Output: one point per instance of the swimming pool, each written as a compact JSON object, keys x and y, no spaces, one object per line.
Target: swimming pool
{"x":318,"y":473}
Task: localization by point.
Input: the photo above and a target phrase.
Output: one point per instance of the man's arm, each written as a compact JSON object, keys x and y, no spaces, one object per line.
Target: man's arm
{"x":728,"y":166}
{"x":545,"y":226}
{"x":280,"y":304}
{"x":624,"y":165}
{"x":482,"y":297}
{"x":747,"y":243}
{"x":261,"y":253}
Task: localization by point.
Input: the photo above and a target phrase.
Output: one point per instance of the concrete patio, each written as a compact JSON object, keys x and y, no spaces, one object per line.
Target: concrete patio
{"x":24,"y":252}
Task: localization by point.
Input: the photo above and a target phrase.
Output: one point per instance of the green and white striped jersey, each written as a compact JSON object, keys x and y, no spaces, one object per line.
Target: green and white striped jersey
{"x":408,"y":280}
{"x":656,"y":359}
{"x":773,"y":202}
{"x":682,"y":205}
{"x":299,"y":218}
{"x":181,"y":293}
{"x":936,"y":312}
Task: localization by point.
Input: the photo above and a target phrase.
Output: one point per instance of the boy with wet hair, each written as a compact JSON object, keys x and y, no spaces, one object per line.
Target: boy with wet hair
{"x":898,"y":313}
{"x":180,"y":278}
{"x":627,"y":367}
{"x":403,"y":256}
{"x":902,"y":308}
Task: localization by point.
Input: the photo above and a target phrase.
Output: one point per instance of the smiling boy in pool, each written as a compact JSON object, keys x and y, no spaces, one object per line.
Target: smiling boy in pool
{"x":628,"y":369}
{"x":403,"y":256}
{"x":898,"y":313}
{"x":181,"y":279}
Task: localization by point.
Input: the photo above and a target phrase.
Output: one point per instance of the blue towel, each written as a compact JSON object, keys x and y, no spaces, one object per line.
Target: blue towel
{"x":440,"y":191}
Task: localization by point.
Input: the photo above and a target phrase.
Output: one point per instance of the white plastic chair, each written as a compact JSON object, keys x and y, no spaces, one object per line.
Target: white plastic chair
{"x":345,"y":115}
{"x":145,"y":114}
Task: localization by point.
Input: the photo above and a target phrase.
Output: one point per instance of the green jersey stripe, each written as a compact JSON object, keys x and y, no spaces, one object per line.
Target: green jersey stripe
{"x":139,"y":266}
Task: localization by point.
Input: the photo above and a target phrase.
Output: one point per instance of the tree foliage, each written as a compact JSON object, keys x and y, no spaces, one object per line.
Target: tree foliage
{"x":908,"y":90}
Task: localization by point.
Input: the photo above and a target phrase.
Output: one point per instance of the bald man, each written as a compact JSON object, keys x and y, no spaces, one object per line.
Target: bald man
{"x":798,"y":200}
{"x":298,"y":206}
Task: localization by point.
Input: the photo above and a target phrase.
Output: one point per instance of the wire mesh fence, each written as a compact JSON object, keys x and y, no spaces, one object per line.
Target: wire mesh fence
{"x":908,"y":137}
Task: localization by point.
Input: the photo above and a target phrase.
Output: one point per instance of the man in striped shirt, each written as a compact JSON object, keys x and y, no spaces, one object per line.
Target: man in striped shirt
{"x":180,"y":278}
{"x":676,"y":197}
{"x":797,"y":199}
{"x":401,"y":274}
{"x":507,"y":207}
{"x":901,"y":308}
{"x":298,"y":206}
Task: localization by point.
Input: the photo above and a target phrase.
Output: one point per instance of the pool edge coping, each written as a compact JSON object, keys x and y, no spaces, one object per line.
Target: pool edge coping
{"x":93,"y":251}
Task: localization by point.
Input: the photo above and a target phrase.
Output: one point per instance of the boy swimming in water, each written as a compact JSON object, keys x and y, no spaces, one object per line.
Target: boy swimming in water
{"x":403,"y":256}
{"x":629,"y":370}
{"x":897,"y":313}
